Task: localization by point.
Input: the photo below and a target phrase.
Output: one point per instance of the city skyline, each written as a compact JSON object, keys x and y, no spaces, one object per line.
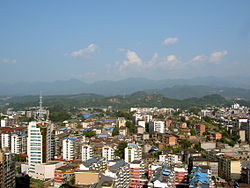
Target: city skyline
{"x":91,"y":41}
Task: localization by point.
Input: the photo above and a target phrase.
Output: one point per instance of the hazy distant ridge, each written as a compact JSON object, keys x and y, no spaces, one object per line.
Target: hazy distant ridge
{"x":174,"y":88}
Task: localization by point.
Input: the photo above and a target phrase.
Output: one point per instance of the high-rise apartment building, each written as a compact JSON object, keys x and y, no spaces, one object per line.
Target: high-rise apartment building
{"x":18,"y":143}
{"x":69,"y":149}
{"x":132,"y":153}
{"x":5,"y":140}
{"x":156,"y":126}
{"x":87,"y":152}
{"x":108,"y":153}
{"x":39,"y":143}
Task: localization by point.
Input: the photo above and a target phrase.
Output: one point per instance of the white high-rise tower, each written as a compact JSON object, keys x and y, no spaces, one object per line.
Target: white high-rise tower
{"x":39,"y":143}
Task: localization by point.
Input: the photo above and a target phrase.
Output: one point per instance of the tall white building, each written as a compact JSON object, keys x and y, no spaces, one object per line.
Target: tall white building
{"x":18,"y":143}
{"x":3,"y":122}
{"x":133,"y":153}
{"x":108,"y":153}
{"x":87,"y":152}
{"x":141,"y":117}
{"x":157,"y":126}
{"x":39,"y":144}
{"x":5,"y":140}
{"x":69,"y":149}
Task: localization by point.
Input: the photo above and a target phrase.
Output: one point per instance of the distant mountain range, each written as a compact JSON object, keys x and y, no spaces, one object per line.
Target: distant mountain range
{"x":231,"y":87}
{"x":138,"y":99}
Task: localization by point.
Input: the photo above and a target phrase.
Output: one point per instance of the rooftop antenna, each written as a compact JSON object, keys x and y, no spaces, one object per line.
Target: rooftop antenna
{"x":40,"y":115}
{"x":40,"y":101}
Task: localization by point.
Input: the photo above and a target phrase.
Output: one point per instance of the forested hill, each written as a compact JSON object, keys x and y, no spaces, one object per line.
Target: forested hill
{"x":138,"y":99}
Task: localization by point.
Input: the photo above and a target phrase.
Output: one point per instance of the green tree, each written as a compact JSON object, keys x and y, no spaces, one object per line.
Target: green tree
{"x":205,"y":133}
{"x":20,"y":158}
{"x":127,"y":115}
{"x":198,"y":147}
{"x":18,"y":169}
{"x":115,"y":131}
{"x":58,"y":113}
{"x":193,"y":132}
{"x":194,"y":110}
{"x":22,"y":181}
{"x":59,"y":116}
{"x":185,"y":144}
{"x":130,"y":126}
{"x":26,"y":119}
{"x":120,"y":149}
{"x":89,"y":133}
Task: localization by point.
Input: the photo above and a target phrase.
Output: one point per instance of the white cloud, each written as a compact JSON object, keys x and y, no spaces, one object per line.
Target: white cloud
{"x":170,"y":62}
{"x":199,"y":58}
{"x":85,"y":52}
{"x":7,"y":61}
{"x":153,"y":61}
{"x":132,"y":59}
{"x":171,"y":40}
{"x":171,"y":58}
{"x":216,"y":56}
{"x":134,"y":63}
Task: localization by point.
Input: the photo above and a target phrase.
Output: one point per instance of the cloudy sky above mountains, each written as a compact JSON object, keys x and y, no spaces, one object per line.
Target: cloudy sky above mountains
{"x":99,"y":40}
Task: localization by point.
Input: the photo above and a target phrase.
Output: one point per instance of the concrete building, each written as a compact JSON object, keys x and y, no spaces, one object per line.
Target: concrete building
{"x":8,"y":121}
{"x":229,"y":168}
{"x":141,"y":123}
{"x":200,"y":129}
{"x":181,"y":176}
{"x":138,"y":118}
{"x":69,"y":149}
{"x":161,"y":176}
{"x":213,"y":164}
{"x":123,"y":131}
{"x":119,"y":171}
{"x":7,"y":170}
{"x":87,"y":152}
{"x":242,"y":134}
{"x":208,"y":145}
{"x":137,"y":174}
{"x":108,"y":153}
{"x":94,"y":164}
{"x":140,"y":129}
{"x":39,"y":144}
{"x":133,"y":153}
{"x":5,"y":140}
{"x":172,"y":140}
{"x":43,"y":171}
{"x":121,"y":122}
{"x":63,"y":174}
{"x":170,"y":159}
{"x":200,"y":177}
{"x":18,"y":143}
{"x":246,"y":174}
{"x":156,"y":126}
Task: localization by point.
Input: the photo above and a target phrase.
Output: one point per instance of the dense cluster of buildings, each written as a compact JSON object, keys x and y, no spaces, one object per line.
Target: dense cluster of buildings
{"x":164,"y":148}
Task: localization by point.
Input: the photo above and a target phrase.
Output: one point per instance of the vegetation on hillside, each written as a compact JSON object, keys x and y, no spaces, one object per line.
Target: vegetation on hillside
{"x":139,"y":99}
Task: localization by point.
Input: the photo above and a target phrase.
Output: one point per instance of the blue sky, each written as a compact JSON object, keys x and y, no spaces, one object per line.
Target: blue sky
{"x":112,"y":40}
